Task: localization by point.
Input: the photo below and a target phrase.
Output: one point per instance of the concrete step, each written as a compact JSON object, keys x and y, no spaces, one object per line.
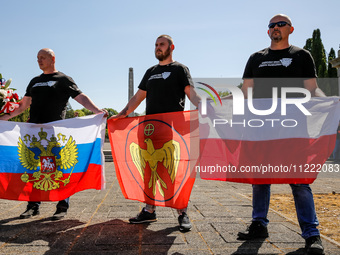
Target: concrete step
{"x":108,"y":156}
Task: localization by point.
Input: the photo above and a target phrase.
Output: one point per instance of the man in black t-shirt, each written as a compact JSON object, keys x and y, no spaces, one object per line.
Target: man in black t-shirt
{"x":47,"y":96}
{"x":53,"y":91}
{"x":282,"y":65}
{"x":164,"y":86}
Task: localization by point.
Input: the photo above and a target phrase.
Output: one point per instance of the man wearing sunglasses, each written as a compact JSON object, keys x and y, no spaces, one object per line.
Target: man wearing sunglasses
{"x":277,"y":65}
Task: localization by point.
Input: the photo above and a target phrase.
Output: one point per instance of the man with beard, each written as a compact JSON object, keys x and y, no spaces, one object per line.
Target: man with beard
{"x":278,"y":64}
{"x":164,"y":86}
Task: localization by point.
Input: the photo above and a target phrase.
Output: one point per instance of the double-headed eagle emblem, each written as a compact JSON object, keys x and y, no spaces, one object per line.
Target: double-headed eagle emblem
{"x":47,"y":160}
{"x":169,"y":155}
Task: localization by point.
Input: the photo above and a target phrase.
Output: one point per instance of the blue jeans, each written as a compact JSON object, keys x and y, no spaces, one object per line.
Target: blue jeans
{"x":304,"y":204}
{"x":63,"y":204}
{"x":336,"y":151}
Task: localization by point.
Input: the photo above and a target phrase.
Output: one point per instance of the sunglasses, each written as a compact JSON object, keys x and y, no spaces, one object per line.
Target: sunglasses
{"x":279,"y":24}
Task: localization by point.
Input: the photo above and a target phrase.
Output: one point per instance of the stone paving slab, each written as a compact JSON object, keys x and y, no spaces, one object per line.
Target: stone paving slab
{"x":97,"y":223}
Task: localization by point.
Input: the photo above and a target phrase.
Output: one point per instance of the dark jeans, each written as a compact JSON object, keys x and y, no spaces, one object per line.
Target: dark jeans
{"x":304,"y":204}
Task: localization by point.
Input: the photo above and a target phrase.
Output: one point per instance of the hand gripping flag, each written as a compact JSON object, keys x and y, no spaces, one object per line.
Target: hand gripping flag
{"x":52,"y":161}
{"x":154,"y":156}
{"x":275,"y":148}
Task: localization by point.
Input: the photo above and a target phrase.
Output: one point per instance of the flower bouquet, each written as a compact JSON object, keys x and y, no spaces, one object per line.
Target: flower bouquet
{"x":9,"y":100}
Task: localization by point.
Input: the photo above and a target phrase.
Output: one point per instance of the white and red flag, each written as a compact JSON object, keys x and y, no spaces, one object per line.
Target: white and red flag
{"x":282,"y":147}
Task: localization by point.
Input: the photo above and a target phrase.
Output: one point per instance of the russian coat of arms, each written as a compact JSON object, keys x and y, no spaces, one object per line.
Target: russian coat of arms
{"x":47,"y":157}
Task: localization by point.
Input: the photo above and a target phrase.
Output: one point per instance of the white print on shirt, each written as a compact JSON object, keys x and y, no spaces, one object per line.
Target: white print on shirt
{"x":160,"y":76}
{"x":44,"y":84}
{"x":282,"y":62}
{"x":182,"y":102}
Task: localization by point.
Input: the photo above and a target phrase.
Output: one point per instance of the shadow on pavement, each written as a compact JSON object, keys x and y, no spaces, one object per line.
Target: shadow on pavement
{"x":74,"y":237}
{"x":299,"y":251}
{"x":252,"y":246}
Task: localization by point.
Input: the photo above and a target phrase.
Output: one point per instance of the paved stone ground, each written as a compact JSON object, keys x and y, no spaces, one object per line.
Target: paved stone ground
{"x":97,"y":223}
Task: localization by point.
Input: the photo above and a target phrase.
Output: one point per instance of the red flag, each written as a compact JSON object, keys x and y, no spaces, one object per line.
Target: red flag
{"x":275,"y":148}
{"x":154,"y":156}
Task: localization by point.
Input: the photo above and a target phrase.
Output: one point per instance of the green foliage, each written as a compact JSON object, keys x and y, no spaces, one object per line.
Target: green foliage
{"x":223,"y":93}
{"x":79,"y":113}
{"x":23,"y":117}
{"x":309,"y":44}
{"x":323,"y":68}
{"x":319,"y":54}
{"x":332,"y":72}
{"x":226,"y":93}
{"x":86,"y":111}
{"x":69,"y":111}
{"x":111,"y":112}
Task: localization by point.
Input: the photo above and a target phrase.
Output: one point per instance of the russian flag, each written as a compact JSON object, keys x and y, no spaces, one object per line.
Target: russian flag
{"x":264,"y":149}
{"x":52,"y":161}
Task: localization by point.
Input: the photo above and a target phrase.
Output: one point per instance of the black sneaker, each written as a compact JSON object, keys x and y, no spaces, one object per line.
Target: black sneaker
{"x":314,"y":245}
{"x":30,"y":211}
{"x":254,"y":231}
{"x":184,"y":222}
{"x":59,"y":214}
{"x":144,"y":217}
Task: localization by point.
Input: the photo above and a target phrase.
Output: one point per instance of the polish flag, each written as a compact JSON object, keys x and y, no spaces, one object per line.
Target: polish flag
{"x":265,"y":149}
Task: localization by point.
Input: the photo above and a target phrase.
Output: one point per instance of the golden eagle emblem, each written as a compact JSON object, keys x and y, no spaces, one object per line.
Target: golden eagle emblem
{"x":169,"y":155}
{"x":47,"y":159}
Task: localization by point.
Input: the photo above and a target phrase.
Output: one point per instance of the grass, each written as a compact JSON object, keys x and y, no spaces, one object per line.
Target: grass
{"x":327,"y":209}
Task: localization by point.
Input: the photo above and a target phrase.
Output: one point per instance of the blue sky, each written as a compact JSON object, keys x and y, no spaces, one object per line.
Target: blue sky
{"x":96,"y":41}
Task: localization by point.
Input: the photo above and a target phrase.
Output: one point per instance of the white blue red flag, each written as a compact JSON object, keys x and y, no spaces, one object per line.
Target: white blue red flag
{"x":52,"y":161}
{"x":289,"y":145}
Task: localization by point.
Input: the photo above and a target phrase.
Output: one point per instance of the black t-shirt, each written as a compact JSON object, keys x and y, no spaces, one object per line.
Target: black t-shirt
{"x":50,"y":94}
{"x":164,"y":86}
{"x":279,"y":68}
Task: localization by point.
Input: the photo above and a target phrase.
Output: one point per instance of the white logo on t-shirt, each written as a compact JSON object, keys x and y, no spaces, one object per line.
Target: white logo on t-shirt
{"x":164,"y":76}
{"x":282,"y":62}
{"x":44,"y":84}
{"x":286,"y":61}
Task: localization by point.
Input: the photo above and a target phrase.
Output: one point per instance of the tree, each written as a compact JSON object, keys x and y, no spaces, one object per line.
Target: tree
{"x":223,"y":93}
{"x":111,"y":112}
{"x":315,"y":46}
{"x":22,"y":117}
{"x":309,"y":43}
{"x":79,"y":113}
{"x":69,"y":111}
{"x":226,"y":93}
{"x":332,"y":72}
{"x":86,"y":111}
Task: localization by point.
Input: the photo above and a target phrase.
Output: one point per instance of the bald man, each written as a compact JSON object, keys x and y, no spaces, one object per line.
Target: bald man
{"x":47,"y":96}
{"x":278,"y":64}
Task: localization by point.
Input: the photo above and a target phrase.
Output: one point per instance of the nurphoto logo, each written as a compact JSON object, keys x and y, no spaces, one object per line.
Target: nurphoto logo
{"x":238,"y":100}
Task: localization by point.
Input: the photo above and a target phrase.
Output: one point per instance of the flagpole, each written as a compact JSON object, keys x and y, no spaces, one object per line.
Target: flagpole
{"x":131,"y":92}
